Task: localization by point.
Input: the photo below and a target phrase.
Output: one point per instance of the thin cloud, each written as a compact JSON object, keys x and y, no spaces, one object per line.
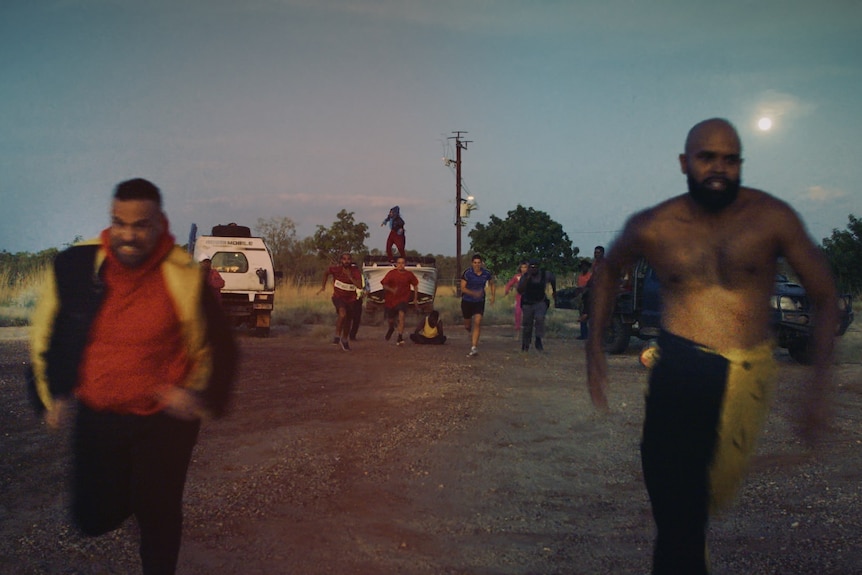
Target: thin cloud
{"x":779,"y":105}
{"x":821,"y":194}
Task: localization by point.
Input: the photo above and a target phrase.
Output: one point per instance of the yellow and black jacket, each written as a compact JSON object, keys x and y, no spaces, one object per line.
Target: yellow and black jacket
{"x":71,"y":300}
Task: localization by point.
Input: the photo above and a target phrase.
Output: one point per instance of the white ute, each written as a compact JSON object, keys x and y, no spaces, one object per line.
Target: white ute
{"x":245,"y":264}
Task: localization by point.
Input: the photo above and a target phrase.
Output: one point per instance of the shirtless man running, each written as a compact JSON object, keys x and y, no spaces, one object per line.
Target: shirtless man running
{"x":714,"y":251}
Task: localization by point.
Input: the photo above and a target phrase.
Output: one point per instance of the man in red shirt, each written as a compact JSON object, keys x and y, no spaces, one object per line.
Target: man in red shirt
{"x":124,"y":340}
{"x":346,"y":279}
{"x":397,"y":284}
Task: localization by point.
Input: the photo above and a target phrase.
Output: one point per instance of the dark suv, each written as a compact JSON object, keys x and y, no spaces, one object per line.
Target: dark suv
{"x":792,"y":314}
{"x":638,"y":312}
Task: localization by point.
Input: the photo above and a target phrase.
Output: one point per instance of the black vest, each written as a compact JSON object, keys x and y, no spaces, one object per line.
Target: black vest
{"x":534,"y":292}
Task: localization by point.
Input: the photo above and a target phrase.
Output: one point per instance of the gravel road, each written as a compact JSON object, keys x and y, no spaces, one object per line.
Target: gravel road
{"x":419,"y":460}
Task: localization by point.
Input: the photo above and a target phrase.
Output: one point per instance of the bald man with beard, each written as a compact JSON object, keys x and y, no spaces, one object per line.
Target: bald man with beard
{"x":714,"y":251}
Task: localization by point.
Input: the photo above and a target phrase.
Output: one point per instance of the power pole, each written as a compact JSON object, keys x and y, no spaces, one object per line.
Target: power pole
{"x":459,"y":145}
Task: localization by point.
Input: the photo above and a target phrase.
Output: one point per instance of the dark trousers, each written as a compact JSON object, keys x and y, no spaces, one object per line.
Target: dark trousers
{"x":532,"y":313}
{"x":355,"y":318}
{"x":438,"y":339}
{"x":133,"y":465}
{"x":686,"y":389}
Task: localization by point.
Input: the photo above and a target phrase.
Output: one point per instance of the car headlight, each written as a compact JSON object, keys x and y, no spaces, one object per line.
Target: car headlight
{"x":787,"y":303}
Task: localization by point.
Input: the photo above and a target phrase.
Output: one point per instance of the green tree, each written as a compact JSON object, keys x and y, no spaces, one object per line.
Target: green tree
{"x":844,"y":250}
{"x":280,"y":236}
{"x":524,"y":234}
{"x":344,"y":235}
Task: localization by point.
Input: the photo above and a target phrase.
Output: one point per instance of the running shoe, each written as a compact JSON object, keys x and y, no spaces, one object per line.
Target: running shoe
{"x":400,"y":340}
{"x":389,"y":333}
{"x":473,"y":352}
{"x":336,"y":340}
{"x":539,"y":346}
{"x":344,"y":345}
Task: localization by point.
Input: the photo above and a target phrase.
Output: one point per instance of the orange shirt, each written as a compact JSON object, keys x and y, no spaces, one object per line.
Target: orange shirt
{"x":135,"y":348}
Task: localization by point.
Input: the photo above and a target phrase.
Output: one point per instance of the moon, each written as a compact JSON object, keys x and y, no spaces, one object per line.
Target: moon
{"x":764,"y":124}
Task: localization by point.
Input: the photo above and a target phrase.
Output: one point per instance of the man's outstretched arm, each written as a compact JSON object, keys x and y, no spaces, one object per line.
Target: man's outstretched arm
{"x":815,"y":275}
{"x":605,"y":282}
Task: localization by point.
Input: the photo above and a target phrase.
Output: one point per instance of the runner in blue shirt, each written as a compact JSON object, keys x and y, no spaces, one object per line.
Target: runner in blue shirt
{"x":473,"y":282}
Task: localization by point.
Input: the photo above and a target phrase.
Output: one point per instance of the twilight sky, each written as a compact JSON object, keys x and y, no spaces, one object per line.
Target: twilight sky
{"x":252,"y":109}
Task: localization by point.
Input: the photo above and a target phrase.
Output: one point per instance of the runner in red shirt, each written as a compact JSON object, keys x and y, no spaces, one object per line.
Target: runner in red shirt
{"x":346,"y":279}
{"x":397,"y":284}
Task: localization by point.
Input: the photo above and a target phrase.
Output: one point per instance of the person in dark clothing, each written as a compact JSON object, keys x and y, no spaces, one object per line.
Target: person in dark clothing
{"x":356,"y":313}
{"x":535,"y":303}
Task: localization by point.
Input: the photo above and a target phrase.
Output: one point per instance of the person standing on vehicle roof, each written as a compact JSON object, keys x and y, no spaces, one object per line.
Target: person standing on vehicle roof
{"x":396,"y":233}
{"x":534,"y":302}
{"x":714,"y":251}
{"x":346,"y":279}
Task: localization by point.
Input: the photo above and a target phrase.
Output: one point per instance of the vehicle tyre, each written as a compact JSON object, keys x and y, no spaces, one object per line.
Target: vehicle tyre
{"x":617,"y":338}
{"x":802,"y":352}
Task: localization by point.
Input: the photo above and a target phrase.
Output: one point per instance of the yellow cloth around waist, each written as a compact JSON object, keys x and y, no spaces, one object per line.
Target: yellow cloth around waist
{"x":750,"y":386}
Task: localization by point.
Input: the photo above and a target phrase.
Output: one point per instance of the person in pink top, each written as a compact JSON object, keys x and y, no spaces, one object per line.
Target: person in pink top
{"x":513,"y":283}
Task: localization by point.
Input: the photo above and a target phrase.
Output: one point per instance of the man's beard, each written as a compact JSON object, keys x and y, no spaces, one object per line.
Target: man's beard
{"x":713,"y":200}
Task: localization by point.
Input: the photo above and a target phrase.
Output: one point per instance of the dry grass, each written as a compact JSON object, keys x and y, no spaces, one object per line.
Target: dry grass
{"x":301,"y":304}
{"x":18,"y":295}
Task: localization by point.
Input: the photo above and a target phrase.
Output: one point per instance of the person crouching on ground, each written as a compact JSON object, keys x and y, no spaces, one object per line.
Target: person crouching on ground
{"x":429,"y":331}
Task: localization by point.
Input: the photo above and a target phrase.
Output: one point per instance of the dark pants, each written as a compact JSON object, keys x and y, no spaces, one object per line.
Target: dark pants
{"x":133,"y":465}
{"x":355,"y":318}
{"x":438,"y":339}
{"x":533,"y":313}
{"x":686,"y":389}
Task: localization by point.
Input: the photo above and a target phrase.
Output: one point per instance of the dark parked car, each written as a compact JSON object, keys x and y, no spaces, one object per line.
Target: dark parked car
{"x":792,"y":315}
{"x":638,"y":312}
